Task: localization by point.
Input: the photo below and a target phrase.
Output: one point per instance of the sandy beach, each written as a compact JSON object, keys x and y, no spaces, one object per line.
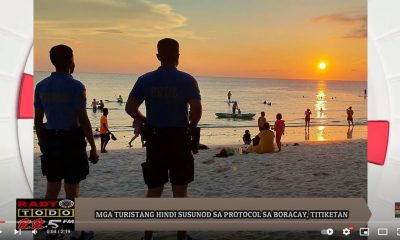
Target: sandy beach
{"x":311,"y":169}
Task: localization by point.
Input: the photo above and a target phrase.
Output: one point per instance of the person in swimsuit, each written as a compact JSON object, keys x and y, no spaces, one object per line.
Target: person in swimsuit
{"x":307,"y":118}
{"x":94,"y":105}
{"x":261,"y":121}
{"x":350,"y":113}
{"x":279,"y":129}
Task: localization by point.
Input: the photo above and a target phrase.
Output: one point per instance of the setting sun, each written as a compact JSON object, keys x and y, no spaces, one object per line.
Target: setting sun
{"x":322,"y":65}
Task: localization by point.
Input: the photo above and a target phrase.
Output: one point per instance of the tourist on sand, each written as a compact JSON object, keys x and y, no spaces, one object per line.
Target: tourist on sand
{"x":266,"y":141}
{"x":234,"y":107}
{"x":137,"y":125}
{"x":104,"y":132}
{"x":350,"y":113}
{"x":279,"y":128}
{"x":120,"y":99}
{"x":229,"y":96}
{"x":168,"y":146}
{"x":261,"y":121}
{"x":247,"y":137}
{"x":307,"y":118}
{"x":62,"y":99}
{"x":94,"y":105}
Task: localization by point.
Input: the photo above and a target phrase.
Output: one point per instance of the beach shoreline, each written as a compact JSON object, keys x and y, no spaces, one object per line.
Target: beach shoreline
{"x":233,"y":136}
{"x":312,"y":169}
{"x":290,"y":173}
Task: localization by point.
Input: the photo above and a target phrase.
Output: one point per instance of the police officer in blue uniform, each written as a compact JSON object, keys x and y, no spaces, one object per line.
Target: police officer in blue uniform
{"x":167,"y":93}
{"x":62,"y":99}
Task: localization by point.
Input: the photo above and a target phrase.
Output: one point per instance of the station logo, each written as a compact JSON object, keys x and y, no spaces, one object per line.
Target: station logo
{"x":52,"y":216}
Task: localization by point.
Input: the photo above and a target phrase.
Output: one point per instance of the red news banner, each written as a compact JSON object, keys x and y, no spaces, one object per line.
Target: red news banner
{"x":52,"y":216}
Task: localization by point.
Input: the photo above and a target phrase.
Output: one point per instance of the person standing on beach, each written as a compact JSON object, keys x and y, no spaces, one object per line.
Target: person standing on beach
{"x":137,"y":125}
{"x":350,"y":113}
{"x":229,"y":96}
{"x":167,"y":93}
{"x":279,"y":128}
{"x":307,"y":118}
{"x":104,"y":131}
{"x":94,"y":105}
{"x":62,"y":99}
{"x":261,"y":121}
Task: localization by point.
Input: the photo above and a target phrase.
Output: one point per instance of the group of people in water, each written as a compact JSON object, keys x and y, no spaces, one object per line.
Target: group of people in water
{"x":235,"y":106}
{"x":97,"y":105}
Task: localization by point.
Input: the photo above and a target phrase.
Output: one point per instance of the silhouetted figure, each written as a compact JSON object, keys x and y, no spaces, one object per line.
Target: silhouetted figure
{"x":120,"y":99}
{"x":168,"y":141}
{"x":137,"y":125}
{"x":261,"y":121}
{"x":279,"y":129}
{"x":101,"y":105}
{"x":234,"y":107}
{"x":247,"y":137}
{"x":350,"y":113}
{"x":94,"y":105}
{"x":61,"y":99}
{"x":307,"y":118}
{"x":104,"y":131}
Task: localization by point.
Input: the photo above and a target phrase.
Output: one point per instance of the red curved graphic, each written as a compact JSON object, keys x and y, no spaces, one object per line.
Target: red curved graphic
{"x":378,"y":139}
{"x":25,"y":105}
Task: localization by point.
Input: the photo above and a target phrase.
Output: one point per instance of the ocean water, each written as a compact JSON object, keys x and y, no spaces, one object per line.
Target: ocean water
{"x":328,"y":100}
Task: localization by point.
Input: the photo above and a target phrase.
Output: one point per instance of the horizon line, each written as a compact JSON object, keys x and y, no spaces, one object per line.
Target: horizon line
{"x":205,"y":76}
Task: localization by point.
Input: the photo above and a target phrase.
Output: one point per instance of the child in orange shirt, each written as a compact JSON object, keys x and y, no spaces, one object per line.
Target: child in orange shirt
{"x":104,"y":132}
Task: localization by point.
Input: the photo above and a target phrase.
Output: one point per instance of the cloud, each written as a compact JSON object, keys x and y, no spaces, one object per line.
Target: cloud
{"x":358,"y":21}
{"x":109,"y":31}
{"x":340,"y":18}
{"x":141,"y":18}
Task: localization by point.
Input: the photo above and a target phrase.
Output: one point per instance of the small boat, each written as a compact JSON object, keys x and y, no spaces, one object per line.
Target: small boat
{"x":236,"y":115}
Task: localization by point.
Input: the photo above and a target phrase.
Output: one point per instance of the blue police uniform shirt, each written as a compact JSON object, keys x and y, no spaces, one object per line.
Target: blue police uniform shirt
{"x":166,"y":93}
{"x":60,"y":96}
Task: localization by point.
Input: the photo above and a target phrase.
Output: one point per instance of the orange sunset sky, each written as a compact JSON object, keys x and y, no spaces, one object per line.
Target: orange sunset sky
{"x":239,"y":38}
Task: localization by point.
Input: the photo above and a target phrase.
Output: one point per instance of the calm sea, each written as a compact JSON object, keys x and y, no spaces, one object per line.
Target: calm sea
{"x":289,"y":97}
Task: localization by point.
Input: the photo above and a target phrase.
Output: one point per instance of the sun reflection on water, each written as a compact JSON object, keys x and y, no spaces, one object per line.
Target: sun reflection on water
{"x":320,"y":101}
{"x":321,"y":133}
